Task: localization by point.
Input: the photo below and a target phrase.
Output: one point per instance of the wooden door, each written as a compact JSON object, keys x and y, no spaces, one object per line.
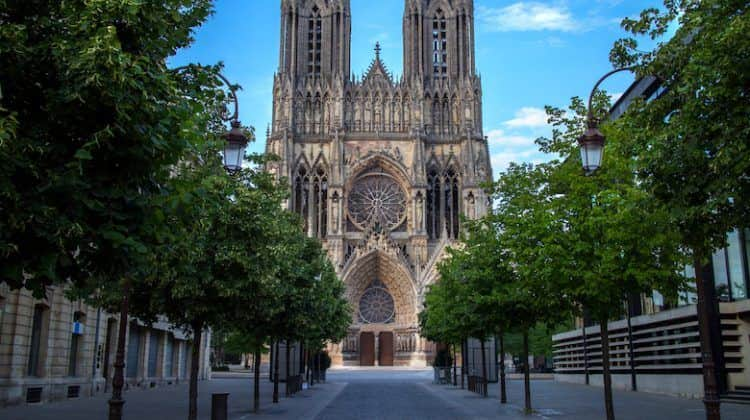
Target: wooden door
{"x":386,"y":349}
{"x":367,"y":349}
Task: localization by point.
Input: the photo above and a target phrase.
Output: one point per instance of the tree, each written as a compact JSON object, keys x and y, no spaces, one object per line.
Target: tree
{"x":607,"y":238}
{"x":524,"y":225}
{"x":690,"y":145}
{"x":95,"y":122}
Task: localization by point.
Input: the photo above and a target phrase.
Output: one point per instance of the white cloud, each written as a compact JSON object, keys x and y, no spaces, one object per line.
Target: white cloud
{"x":499,"y":137}
{"x":529,"y":117}
{"x":528,"y":16}
{"x":501,"y":161}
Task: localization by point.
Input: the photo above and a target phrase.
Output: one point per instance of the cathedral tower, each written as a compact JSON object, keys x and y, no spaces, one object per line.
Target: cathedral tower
{"x":439,"y":39}
{"x":381,"y":170}
{"x":315,"y":38}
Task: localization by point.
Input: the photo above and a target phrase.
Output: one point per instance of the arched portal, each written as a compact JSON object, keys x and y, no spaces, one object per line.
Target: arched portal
{"x":383,"y":297}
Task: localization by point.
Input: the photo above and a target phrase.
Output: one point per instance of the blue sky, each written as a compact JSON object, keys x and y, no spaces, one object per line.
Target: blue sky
{"x":529,"y":54}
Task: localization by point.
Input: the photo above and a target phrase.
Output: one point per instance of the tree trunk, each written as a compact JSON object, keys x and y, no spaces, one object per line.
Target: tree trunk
{"x":484,"y":369}
{"x":256,"y":381}
{"x":194,"y":368}
{"x":706,"y":301}
{"x":118,"y":381}
{"x":463,"y":362}
{"x":317,"y":366}
{"x":286,"y":388}
{"x":503,"y":393}
{"x":455,"y":362}
{"x":276,"y":372}
{"x":526,"y":374}
{"x":606,"y":374}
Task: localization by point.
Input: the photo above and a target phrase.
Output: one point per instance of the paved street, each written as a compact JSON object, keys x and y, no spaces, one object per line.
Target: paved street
{"x":382,"y":394}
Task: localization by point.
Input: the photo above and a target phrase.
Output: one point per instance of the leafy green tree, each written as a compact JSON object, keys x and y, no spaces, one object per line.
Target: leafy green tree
{"x":92,"y":122}
{"x":606,"y":238}
{"x":691,"y":144}
{"x":523,"y":224}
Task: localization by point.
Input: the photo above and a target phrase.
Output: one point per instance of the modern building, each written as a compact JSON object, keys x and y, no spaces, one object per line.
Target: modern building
{"x":381,"y":167}
{"x":53,"y":349}
{"x":658,"y":347}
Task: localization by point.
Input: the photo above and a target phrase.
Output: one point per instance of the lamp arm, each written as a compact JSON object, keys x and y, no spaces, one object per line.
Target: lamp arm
{"x":590,"y":115}
{"x":232,"y":90}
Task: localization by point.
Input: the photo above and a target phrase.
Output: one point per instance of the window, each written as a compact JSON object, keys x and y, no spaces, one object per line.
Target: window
{"x":75,"y":342}
{"x":186,"y":350}
{"x":439,"y":44}
{"x":311,"y":199}
{"x":134,"y":350}
{"x":169,"y":357}
{"x":38,"y":324}
{"x":721,"y":275}
{"x":434,"y":229}
{"x":2,"y":312}
{"x":153,"y":353}
{"x":451,"y":204}
{"x":689,"y":297}
{"x":314,"y":37}
{"x":736,"y":266}
{"x":443,"y":204}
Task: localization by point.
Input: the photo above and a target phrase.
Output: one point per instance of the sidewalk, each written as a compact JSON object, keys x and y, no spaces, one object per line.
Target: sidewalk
{"x":555,"y":400}
{"x":170,"y":403}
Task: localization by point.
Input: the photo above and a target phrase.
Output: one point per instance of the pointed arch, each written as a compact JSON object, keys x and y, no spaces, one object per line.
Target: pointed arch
{"x":452,"y":200}
{"x":301,"y":196}
{"x":433,"y":200}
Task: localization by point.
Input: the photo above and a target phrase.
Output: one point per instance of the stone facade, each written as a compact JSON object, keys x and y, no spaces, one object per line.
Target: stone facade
{"x":381,"y":169}
{"x":52,"y":349}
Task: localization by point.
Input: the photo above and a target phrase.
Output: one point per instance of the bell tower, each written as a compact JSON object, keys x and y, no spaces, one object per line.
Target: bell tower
{"x":439,"y":39}
{"x":315,"y":38}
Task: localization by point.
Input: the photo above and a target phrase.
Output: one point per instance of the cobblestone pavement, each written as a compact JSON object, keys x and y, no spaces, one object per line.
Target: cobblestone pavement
{"x":381,"y":394}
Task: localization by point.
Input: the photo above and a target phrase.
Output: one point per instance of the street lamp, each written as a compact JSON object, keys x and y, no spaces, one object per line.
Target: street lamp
{"x":234,"y":149}
{"x":592,"y":141}
{"x":591,"y":144}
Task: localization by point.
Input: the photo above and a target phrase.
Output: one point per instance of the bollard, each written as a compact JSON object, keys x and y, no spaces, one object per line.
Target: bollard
{"x":219,"y":406}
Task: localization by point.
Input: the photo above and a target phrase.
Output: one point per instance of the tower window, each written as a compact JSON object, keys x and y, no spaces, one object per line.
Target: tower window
{"x":439,"y":44}
{"x":314,"y":42}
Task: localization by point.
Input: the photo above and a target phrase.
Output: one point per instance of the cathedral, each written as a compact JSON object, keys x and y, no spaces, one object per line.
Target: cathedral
{"x":381,"y":168}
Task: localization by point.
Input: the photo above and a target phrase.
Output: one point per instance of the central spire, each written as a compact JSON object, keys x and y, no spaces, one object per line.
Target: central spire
{"x":377,"y":50}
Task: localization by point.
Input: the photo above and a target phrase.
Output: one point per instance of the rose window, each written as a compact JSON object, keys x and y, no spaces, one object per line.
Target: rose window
{"x":377,"y":200}
{"x":376,"y":306}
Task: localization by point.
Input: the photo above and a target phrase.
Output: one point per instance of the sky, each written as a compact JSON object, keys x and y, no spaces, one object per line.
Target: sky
{"x":529,"y":54}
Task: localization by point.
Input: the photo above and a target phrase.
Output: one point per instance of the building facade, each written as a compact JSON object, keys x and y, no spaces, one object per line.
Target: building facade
{"x":381,"y":168}
{"x":54,"y":349}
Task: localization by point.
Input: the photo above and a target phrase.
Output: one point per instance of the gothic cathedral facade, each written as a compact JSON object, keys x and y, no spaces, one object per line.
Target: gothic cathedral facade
{"x":381,"y":170}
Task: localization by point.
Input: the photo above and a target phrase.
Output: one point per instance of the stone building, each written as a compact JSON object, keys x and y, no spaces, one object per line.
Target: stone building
{"x":52,"y":349}
{"x":381,"y":168}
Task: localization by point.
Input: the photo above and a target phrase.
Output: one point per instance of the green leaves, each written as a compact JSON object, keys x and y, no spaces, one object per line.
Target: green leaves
{"x":691,"y":145}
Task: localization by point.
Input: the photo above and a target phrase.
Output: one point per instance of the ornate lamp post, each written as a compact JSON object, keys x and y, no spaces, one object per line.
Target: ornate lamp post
{"x":233,"y":156}
{"x":591,"y":144}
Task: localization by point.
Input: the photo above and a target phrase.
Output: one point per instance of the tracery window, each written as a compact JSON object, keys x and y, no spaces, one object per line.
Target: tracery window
{"x":314,"y":37}
{"x":443,"y":203}
{"x":320,"y":203}
{"x":311,"y":199}
{"x":452,"y":208}
{"x":301,"y":193}
{"x":377,"y":200}
{"x":439,"y":44}
{"x":434,"y":227}
{"x":376,"y":305}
